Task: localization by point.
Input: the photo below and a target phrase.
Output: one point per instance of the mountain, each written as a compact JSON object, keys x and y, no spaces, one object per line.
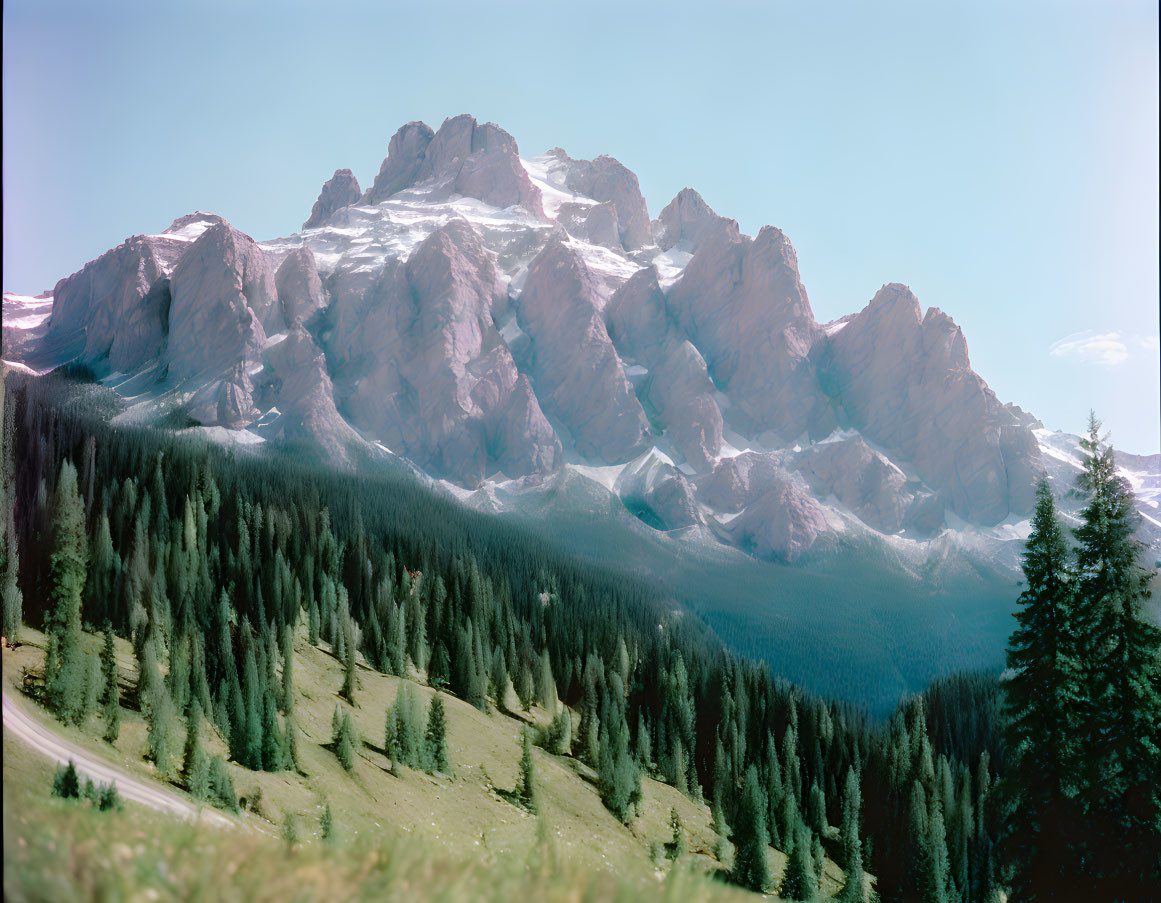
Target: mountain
{"x":520,"y":334}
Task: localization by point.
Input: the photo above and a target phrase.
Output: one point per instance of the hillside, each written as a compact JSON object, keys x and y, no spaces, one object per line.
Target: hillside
{"x":453,"y":817}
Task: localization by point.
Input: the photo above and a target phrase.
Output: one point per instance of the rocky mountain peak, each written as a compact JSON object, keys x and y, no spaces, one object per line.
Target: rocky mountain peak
{"x":339,"y":191}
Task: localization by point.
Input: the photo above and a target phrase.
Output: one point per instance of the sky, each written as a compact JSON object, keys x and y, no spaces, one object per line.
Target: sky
{"x":1000,"y":158}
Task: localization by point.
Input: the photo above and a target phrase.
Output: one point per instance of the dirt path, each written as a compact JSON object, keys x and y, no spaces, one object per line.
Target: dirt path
{"x":19,"y":724}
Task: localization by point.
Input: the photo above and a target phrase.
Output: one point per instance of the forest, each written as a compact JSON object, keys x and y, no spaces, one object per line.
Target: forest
{"x":207,"y":561}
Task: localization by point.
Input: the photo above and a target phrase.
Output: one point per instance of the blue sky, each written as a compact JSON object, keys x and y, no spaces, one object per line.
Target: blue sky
{"x":999,"y":158}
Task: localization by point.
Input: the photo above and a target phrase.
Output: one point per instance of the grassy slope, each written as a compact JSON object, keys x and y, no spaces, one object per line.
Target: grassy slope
{"x":461,"y":818}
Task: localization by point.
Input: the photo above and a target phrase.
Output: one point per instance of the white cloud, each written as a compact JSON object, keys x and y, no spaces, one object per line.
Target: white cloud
{"x":1149,"y":342}
{"x":1107,"y":348}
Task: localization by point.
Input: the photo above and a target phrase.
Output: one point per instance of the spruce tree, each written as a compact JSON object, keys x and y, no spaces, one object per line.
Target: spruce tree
{"x":346,"y":743}
{"x":435,"y":737}
{"x":327,"y":825}
{"x":720,"y":831}
{"x":526,"y":787}
{"x":854,"y":887}
{"x":65,"y":666}
{"x":750,"y":837}
{"x":1121,"y":733}
{"x":1042,"y":705}
{"x":799,"y":882}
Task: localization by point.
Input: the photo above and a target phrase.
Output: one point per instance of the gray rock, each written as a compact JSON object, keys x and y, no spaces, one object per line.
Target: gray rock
{"x":339,"y":191}
{"x":405,"y":158}
{"x":607,"y":179}
{"x":688,"y":220}
{"x":431,"y":377}
{"x":226,"y":401}
{"x":594,"y":223}
{"x":860,"y":478}
{"x":99,"y":311}
{"x":658,"y":493}
{"x":224,"y":302}
{"x":905,"y":381}
{"x":735,"y":482}
{"x":741,"y":302}
{"x":576,"y":372}
{"x":298,"y":285}
{"x":783,"y":523}
{"x":496,"y":177}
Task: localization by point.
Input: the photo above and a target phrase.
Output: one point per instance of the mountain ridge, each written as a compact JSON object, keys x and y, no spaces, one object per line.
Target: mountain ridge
{"x":492,"y":319}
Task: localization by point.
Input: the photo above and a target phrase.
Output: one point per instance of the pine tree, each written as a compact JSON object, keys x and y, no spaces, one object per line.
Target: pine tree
{"x":327,"y":825}
{"x":435,"y":737}
{"x":1121,"y":733}
{"x":222,"y":785}
{"x":526,"y":788}
{"x":195,"y":762}
{"x":934,"y":886}
{"x":65,"y":668}
{"x":854,"y":887}
{"x":1042,"y":703}
{"x":66,"y":783}
{"x":750,"y":837}
{"x":799,"y":882}
{"x":346,"y":743}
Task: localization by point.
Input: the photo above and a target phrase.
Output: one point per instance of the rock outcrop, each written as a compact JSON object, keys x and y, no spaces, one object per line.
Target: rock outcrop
{"x":860,"y":478}
{"x":594,"y":223}
{"x":904,"y":380}
{"x":607,"y":179}
{"x":480,"y":161}
{"x":405,"y":156}
{"x":741,"y":302}
{"x":339,"y":191}
{"x":100,"y":310}
{"x":655,"y":491}
{"x":688,"y":221}
{"x":435,"y":381}
{"x":576,"y":371}
{"x":783,"y":523}
{"x":224,"y":302}
{"x":299,"y":287}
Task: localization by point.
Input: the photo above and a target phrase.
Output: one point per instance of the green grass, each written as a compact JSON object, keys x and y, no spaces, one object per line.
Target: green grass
{"x":456,"y":838}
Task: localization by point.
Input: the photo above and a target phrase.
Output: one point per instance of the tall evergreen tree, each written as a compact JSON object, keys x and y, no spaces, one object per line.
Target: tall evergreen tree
{"x":526,"y":787}
{"x":854,"y":887}
{"x":750,"y":837}
{"x":1121,"y":736}
{"x":799,"y":882}
{"x":435,"y":737}
{"x":65,"y":667}
{"x":1043,"y":703}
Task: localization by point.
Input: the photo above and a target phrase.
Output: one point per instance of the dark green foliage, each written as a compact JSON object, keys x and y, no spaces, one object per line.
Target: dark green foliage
{"x":526,"y":785}
{"x":346,"y":742}
{"x":750,"y":837}
{"x":854,"y":886}
{"x":1043,"y":702}
{"x":435,"y":737}
{"x":108,"y":800}
{"x":327,"y":825}
{"x":222,"y":792}
{"x":11,"y":597}
{"x":1121,"y":677}
{"x":800,"y":882}
{"x":195,"y":764}
{"x":65,"y":664}
{"x":66,"y":783}
{"x":220,"y":554}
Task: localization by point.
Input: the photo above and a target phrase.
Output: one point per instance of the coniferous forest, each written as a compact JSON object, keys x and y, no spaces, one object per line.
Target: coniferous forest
{"x":1041,"y":783}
